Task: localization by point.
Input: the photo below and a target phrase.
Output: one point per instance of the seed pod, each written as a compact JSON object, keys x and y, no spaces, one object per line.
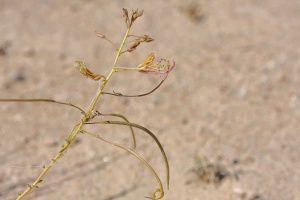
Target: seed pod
{"x":133,"y":47}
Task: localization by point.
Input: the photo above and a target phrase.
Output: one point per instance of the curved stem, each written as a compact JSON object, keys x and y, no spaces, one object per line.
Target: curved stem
{"x":160,"y":189}
{"x":149,"y":133}
{"x":125,"y":119}
{"x":137,"y":95}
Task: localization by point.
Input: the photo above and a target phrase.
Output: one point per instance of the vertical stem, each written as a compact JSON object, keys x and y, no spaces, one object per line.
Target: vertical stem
{"x":84,"y":119}
{"x":110,"y":74}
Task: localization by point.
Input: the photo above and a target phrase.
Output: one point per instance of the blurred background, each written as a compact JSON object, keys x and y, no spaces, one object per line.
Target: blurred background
{"x":227,"y":116}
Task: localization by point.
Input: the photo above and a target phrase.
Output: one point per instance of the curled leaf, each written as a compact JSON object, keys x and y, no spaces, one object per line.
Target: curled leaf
{"x":147,"y":132}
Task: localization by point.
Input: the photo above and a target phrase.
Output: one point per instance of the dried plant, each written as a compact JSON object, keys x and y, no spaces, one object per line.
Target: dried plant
{"x":148,"y":66}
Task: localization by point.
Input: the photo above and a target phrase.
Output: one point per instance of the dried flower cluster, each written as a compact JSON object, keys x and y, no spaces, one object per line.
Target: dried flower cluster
{"x":135,"y":14}
{"x":162,"y":66}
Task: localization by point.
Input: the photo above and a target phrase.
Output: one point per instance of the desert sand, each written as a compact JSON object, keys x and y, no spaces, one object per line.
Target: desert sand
{"x":227,"y":116}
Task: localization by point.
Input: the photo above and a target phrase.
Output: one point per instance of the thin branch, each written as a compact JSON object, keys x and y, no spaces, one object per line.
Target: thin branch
{"x":41,"y":100}
{"x":138,"y":95}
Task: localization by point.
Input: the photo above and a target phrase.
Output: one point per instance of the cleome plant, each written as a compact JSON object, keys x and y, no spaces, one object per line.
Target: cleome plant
{"x":160,"y":67}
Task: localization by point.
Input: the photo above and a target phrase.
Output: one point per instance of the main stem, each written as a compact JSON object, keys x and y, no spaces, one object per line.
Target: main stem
{"x":79,"y":126}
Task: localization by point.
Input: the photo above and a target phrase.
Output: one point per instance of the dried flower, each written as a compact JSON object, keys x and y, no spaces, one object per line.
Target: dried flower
{"x":162,"y":66}
{"x":135,"y":15}
{"x":85,"y":71}
{"x":145,"y":38}
{"x":148,"y":61}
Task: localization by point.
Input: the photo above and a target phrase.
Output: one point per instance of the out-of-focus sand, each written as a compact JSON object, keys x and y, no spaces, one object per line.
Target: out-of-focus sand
{"x":233,"y":98}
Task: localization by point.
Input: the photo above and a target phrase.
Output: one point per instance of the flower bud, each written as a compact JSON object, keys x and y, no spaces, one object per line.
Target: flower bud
{"x":100,"y":35}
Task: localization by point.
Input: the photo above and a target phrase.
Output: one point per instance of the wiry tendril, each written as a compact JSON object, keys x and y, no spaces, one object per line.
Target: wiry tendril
{"x":136,"y":95}
{"x":155,"y":196}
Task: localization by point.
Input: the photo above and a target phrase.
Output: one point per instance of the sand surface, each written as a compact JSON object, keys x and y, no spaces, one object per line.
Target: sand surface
{"x":227,"y":116}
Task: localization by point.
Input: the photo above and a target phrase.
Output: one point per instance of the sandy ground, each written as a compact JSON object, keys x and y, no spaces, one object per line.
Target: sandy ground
{"x":228,"y":114}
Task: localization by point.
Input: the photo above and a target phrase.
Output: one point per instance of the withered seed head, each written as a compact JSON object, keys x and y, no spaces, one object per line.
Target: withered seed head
{"x":125,"y":12}
{"x":145,"y":38}
{"x":125,"y":16}
{"x":136,"y":14}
